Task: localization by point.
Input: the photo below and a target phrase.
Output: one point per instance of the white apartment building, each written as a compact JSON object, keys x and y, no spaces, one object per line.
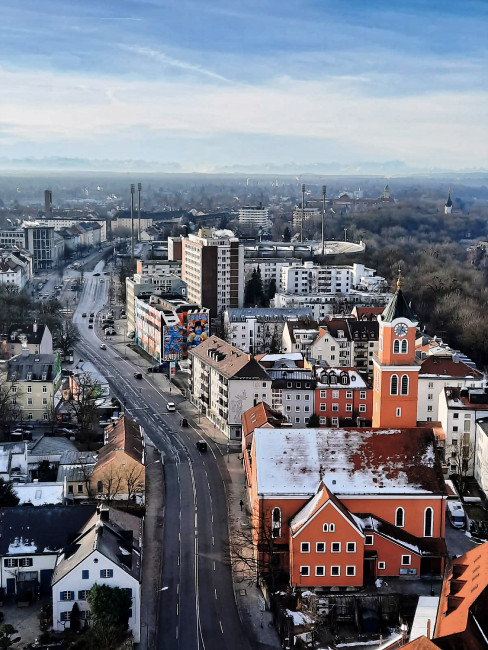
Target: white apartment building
{"x":334,"y":344}
{"x":15,"y":269}
{"x":225,"y":382}
{"x":306,"y":214}
{"x":324,"y":304}
{"x":310,"y":278}
{"x":298,"y":336}
{"x":481,"y":455}
{"x":270,"y":268}
{"x":144,"y":285}
{"x":259,"y":330}
{"x":213,"y":269}
{"x":440,"y":371}
{"x":255,"y":216}
{"x":459,"y":410}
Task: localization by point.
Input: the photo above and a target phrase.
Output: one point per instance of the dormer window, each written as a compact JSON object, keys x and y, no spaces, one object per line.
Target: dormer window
{"x":29,"y":376}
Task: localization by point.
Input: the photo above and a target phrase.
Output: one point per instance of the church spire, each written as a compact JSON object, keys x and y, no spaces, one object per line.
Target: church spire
{"x":448,"y":206}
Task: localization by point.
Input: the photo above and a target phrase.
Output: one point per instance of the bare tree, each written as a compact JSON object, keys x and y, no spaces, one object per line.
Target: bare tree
{"x":459,"y":457}
{"x":9,"y":410}
{"x":66,"y":335}
{"x":133,"y":476}
{"x":111,"y":484}
{"x":83,"y":400}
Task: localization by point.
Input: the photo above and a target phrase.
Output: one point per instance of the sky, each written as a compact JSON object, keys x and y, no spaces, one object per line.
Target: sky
{"x":248,"y":82}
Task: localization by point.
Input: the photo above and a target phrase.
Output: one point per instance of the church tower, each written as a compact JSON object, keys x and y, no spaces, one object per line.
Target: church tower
{"x":386,"y":192}
{"x":448,"y":206}
{"x":395,"y":372}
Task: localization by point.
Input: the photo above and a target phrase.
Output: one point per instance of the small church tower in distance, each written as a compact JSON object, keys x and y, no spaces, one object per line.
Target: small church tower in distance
{"x":448,"y":206}
{"x":395,"y":372}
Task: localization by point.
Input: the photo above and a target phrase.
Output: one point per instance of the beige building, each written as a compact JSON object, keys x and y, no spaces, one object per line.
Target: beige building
{"x":33,"y":380}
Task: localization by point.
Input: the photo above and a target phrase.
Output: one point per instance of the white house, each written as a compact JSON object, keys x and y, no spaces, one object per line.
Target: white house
{"x":481,"y":455}
{"x":102,"y":554}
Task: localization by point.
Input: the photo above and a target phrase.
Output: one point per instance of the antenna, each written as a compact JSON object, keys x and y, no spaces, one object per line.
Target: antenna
{"x":139,"y":187}
{"x":132,"y":190}
{"x":324,"y":194}
{"x":303,"y":213}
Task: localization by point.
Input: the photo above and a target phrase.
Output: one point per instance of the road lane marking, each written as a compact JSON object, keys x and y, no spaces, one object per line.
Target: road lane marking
{"x":221,"y":628}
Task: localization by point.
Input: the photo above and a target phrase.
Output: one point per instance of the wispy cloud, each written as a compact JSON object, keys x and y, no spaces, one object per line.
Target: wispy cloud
{"x":170,"y":62}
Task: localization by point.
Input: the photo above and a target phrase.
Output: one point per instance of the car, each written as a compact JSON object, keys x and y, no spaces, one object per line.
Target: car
{"x":92,"y":314}
{"x":110,"y":331}
{"x":103,"y":346}
{"x":171,"y":407}
{"x":183,"y":422}
{"x":90,"y":326}
{"x":90,"y":320}
{"x":102,"y":280}
{"x":201,"y":445}
{"x":138,"y":375}
{"x":96,"y":275}
{"x":123,"y":316}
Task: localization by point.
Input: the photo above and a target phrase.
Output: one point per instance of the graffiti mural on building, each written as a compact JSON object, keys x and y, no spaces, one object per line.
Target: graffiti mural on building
{"x":198,"y":329}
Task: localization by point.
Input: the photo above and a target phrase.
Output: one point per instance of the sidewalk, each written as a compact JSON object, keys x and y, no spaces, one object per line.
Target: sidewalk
{"x":256,"y":621}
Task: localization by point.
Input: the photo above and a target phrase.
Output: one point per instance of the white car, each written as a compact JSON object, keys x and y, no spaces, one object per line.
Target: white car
{"x":103,"y":346}
{"x":171,"y":407}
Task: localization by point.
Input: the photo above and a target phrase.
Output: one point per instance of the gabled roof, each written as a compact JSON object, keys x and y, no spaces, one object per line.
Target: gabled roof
{"x":351,"y":461}
{"x":125,"y":435}
{"x":464,"y":599}
{"x":43,"y":529}
{"x":336,"y":325}
{"x":398,"y":308}
{"x":418,"y":545}
{"x":106,"y":537}
{"x":316,"y":503}
{"x":230,"y":362}
{"x":36,"y":365}
{"x":369,"y":313}
{"x":258,"y":416}
{"x":445,"y":366}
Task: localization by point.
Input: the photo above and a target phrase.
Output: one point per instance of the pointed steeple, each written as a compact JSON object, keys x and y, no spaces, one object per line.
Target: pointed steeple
{"x":398,"y":307}
{"x":448,"y":206}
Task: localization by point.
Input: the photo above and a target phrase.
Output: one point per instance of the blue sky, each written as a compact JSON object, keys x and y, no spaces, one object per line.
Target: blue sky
{"x":222,"y":82}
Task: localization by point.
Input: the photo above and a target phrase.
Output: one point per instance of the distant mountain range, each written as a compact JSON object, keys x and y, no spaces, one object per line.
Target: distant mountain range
{"x":365,"y":168}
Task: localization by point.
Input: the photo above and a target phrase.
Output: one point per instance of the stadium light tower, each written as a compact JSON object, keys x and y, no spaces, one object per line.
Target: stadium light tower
{"x":132,"y":190}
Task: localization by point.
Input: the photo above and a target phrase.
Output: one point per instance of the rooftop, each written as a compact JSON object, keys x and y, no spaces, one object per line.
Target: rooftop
{"x":228,"y":360}
{"x":349,"y":461}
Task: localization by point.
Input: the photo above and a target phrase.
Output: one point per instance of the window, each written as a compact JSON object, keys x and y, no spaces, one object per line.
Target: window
{"x":80,"y":488}
{"x":297,"y":409}
{"x":323,"y":421}
{"x":65,"y":616}
{"x":29,"y":389}
{"x":394,"y":385}
{"x":289,"y":384}
{"x":320,"y":570}
{"x":82,"y":594}
{"x":381,"y":565}
{"x":406,"y":560}
{"x":404,"y":388}
{"x":288,"y":409}
{"x":348,"y":408}
{"x":44,"y":389}
{"x":431,"y":384}
{"x":362,"y":408}
{"x":44,"y":400}
{"x":320,"y":547}
{"x":455,"y":429}
{"x":396,"y":346}
{"x":85,"y":575}
{"x":335,"y":547}
{"x":297,"y":398}
{"x":368,"y":540}
{"x":335,"y":570}
{"x":335,"y":394}
{"x":398,"y":412}
{"x":335,"y":422}
{"x":335,"y":407}
{"x":348,"y":394}
{"x":430,"y":396}
{"x":400,"y":517}
{"x":455,"y":416}
{"x":429,"y":409}
{"x":100,"y":487}
{"x":10,"y":562}
{"x":350,"y":570}
{"x":351,"y":547}
{"x":297,"y":420}
{"x":325,"y":528}
{"x":306,"y":397}
{"x":305,"y":547}
{"x":106,"y":573}
{"x":323,"y":394}
{"x":70,"y":489}
{"x":404,"y":346}
{"x":323,"y":407}
{"x":29,"y":401}
{"x":304,"y":570}
{"x":276,"y":522}
{"x":85,"y":614}
{"x":428,"y":522}
{"x":67,"y":595}
{"x":362,"y":394}
{"x":331,"y":528}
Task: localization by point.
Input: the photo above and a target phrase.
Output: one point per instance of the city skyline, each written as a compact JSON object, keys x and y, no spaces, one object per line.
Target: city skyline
{"x":215,"y":85}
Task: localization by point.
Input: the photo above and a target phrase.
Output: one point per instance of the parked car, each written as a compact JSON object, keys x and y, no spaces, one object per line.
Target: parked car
{"x":183,"y":422}
{"x":96,"y":275}
{"x":84,"y":314}
{"x":92,"y":314}
{"x":171,"y":407}
{"x":138,"y":375}
{"x":90,"y":320}
{"x":201,"y":445}
{"x":110,"y":331}
{"x":90,"y":326}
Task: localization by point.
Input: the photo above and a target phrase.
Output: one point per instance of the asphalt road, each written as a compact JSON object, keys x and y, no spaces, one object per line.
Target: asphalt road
{"x":197,"y":607}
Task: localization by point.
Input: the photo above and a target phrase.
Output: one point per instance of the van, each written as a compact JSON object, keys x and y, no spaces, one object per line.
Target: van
{"x":456,"y":514}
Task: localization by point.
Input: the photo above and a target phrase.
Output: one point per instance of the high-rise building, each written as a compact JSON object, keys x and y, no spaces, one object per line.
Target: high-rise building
{"x":255,"y":216}
{"x":213,"y":269}
{"x":48,"y":203}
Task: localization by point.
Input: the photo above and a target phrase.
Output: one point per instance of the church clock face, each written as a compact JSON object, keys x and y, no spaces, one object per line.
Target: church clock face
{"x":401,"y":329}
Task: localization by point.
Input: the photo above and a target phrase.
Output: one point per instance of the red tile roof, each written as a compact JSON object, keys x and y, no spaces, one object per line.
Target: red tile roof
{"x":444,"y":365}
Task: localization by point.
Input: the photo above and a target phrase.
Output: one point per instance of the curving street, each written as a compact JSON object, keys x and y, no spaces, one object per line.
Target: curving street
{"x":197,"y":605}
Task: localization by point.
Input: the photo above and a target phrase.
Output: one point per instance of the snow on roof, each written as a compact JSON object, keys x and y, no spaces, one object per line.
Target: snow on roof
{"x":4,"y":460}
{"x":292,"y":356}
{"x":39,"y":494}
{"x":299,"y":618}
{"x":349,"y":461}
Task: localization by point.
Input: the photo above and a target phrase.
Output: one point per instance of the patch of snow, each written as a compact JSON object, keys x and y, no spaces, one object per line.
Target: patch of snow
{"x":378,"y":583}
{"x":428,"y":459}
{"x":299,"y":618}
